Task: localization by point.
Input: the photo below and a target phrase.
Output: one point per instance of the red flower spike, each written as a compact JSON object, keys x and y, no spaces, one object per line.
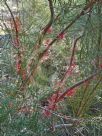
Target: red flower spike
{"x":71,"y":93}
{"x":61,"y":36}
{"x":18,"y":64}
{"x":18,"y":67}
{"x":48,"y":109}
{"x":51,"y":105}
{"x":49,"y":30}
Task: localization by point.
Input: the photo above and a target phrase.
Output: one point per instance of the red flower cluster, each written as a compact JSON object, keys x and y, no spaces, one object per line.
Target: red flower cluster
{"x":50,"y":30}
{"x":71,"y":93}
{"x":52,"y":106}
{"x":61,"y":36}
{"x":18,"y":66}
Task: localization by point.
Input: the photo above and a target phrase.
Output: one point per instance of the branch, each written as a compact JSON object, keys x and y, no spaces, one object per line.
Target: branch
{"x":70,"y":69}
{"x":76,"y":85}
{"x":83,"y":12}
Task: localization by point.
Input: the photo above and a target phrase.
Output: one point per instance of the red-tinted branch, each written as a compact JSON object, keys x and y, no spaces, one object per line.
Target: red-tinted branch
{"x":72,"y":58}
{"x":76,"y":85}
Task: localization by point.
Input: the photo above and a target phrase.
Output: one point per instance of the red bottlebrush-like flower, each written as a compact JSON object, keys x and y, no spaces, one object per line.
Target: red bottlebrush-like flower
{"x":49,"y":109}
{"x":71,"y":93}
{"x":50,"y":30}
{"x":61,"y":36}
{"x":52,"y":106}
{"x":18,"y":67}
